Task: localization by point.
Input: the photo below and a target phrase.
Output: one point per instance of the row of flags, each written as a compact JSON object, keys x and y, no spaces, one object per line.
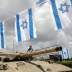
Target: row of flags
{"x":25,"y":28}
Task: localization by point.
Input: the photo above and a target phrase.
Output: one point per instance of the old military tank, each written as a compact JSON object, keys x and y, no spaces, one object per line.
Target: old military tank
{"x":23,"y":56}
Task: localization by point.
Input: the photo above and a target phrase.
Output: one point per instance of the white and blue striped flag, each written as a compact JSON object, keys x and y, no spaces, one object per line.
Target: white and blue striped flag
{"x":25,"y":28}
{"x":57,"y":11}
{"x":60,"y":12}
{"x":64,"y":53}
{"x":2,"y":35}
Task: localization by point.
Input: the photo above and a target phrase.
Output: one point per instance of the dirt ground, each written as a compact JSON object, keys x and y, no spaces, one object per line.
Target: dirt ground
{"x":33,"y":66}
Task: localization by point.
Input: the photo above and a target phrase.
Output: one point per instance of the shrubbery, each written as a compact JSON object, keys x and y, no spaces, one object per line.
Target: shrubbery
{"x":67,"y":63}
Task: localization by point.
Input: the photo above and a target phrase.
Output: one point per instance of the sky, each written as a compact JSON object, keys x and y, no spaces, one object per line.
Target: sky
{"x":47,"y":35}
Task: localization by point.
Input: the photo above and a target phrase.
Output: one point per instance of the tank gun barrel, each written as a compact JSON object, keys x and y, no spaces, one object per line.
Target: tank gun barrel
{"x":33,"y":53}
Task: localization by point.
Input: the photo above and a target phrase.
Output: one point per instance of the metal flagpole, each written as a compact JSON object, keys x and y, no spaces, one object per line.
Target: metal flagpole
{"x":67,"y":53}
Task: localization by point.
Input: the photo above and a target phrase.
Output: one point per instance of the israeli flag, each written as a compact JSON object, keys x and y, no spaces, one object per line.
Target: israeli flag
{"x":56,"y":12}
{"x":2,"y":35}
{"x":65,"y":54}
{"x":25,"y":28}
{"x":60,"y":10}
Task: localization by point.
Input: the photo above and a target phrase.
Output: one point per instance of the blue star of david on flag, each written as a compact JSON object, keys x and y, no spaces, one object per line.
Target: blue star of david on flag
{"x":64,"y":7}
{"x":24,"y":24}
{"x":25,"y":28}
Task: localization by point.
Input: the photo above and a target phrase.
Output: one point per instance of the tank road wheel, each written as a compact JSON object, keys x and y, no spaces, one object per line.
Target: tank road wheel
{"x":3,"y":66}
{"x":17,"y":58}
{"x":6,"y":59}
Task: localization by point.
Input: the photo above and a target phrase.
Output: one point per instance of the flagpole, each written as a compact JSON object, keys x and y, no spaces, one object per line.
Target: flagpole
{"x":67,"y":53}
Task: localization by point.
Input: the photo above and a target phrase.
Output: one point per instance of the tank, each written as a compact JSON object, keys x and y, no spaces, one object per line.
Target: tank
{"x":23,"y":56}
